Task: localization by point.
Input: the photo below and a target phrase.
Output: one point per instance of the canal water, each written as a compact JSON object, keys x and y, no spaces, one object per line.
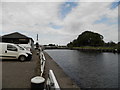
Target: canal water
{"x":88,"y":69}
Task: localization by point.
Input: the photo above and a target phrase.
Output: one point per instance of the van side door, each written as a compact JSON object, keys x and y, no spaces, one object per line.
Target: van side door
{"x":11,"y":52}
{"x":3,"y":48}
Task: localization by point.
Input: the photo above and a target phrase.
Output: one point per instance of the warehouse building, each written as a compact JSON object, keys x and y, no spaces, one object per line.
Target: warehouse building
{"x":17,"y":38}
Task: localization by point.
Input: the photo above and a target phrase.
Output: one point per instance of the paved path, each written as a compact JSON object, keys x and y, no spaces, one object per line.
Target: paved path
{"x":16,"y":74}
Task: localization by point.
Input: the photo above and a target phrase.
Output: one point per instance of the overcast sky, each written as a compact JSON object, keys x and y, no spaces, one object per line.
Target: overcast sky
{"x":60,"y":22}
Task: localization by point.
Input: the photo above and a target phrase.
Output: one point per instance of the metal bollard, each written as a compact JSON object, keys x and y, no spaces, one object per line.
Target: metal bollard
{"x":37,"y":83}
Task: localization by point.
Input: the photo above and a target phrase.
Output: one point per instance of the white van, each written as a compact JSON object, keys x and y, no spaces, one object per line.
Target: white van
{"x":13,"y":51}
{"x":26,"y":46}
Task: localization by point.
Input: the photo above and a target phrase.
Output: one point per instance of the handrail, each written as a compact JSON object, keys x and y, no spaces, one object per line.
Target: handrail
{"x":52,"y":81}
{"x":42,"y":59}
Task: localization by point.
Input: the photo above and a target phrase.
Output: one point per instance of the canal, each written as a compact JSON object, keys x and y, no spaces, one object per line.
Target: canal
{"x":88,"y":69}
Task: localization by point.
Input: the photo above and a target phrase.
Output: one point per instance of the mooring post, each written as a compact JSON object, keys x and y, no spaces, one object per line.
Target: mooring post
{"x":38,"y":81}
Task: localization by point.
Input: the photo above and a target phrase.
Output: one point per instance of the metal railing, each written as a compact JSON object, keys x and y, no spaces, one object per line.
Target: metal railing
{"x":52,"y":82}
{"x":42,"y":62}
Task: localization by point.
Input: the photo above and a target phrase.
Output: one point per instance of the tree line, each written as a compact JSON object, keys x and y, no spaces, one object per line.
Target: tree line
{"x":89,"y":38}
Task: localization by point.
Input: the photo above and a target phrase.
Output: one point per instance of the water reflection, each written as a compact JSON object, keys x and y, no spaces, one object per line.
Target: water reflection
{"x":88,"y":69}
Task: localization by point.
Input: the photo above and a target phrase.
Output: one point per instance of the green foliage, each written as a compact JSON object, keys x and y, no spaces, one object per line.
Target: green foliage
{"x":110,"y":44}
{"x":118,"y":46}
{"x":95,"y":48}
{"x":87,"y":38}
{"x":70,"y":44}
{"x":51,"y":45}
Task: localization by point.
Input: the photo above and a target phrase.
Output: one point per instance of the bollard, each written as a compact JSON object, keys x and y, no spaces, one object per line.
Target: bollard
{"x":37,"y":83}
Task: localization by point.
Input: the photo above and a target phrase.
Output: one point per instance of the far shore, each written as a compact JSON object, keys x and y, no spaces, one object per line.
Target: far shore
{"x":99,"y":49}
{"x":89,"y":48}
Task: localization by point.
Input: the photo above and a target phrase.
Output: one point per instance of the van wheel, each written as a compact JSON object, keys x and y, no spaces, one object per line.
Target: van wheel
{"x":22,"y":58}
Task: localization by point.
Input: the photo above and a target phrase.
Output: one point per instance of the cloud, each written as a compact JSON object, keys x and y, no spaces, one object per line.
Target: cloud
{"x":54,"y":26}
{"x":86,"y":14}
{"x":44,"y":18}
{"x":66,"y":8}
{"x":115,"y":4}
{"x":0,"y":18}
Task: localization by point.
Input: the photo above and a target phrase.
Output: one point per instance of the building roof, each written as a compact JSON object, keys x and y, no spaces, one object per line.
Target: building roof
{"x":16,"y":35}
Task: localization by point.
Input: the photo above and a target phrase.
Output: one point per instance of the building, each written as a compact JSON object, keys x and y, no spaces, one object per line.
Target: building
{"x":17,"y":38}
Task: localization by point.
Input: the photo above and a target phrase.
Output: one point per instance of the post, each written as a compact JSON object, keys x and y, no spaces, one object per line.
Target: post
{"x":37,"y":83}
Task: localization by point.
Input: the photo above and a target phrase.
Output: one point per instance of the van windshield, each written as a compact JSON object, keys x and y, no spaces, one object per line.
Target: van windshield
{"x":21,"y":48}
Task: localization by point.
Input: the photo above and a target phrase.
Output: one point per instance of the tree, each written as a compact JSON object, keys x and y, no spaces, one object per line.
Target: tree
{"x":110,"y":44}
{"x":118,"y":46}
{"x":51,"y":45}
{"x":70,"y":44}
{"x":88,"y":38}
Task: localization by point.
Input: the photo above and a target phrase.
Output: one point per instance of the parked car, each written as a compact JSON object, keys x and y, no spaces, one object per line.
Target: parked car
{"x":13,"y":51}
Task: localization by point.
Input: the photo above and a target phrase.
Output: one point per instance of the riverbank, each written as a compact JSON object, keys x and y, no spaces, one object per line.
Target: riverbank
{"x":89,"y":70}
{"x":63,"y":79}
{"x":88,"y":48}
{"x":56,"y":48}
{"x":23,"y":72}
{"x":98,"y":49}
